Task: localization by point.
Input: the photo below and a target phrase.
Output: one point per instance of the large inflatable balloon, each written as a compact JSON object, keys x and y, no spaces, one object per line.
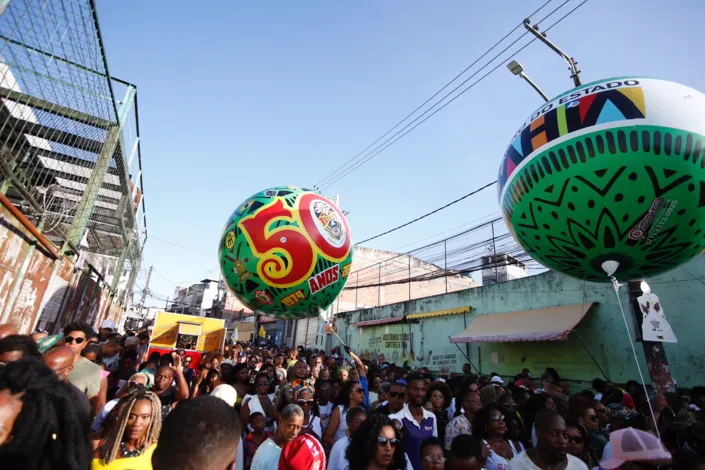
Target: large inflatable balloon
{"x":286,"y":252}
{"x":610,"y":172}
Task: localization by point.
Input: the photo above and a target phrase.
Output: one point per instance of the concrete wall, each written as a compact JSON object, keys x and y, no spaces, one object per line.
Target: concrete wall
{"x":682,"y":294}
{"x":38,"y":290}
{"x":372,"y":266}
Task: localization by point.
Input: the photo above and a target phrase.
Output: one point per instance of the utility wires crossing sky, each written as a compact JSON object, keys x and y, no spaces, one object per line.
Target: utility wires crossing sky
{"x":365,"y":155}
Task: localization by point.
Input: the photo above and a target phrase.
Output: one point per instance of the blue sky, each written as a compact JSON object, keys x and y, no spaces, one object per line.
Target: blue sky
{"x":241,"y":96}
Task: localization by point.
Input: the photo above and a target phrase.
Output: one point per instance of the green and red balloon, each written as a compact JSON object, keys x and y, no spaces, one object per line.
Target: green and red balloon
{"x":286,"y":252}
{"x":610,"y":171}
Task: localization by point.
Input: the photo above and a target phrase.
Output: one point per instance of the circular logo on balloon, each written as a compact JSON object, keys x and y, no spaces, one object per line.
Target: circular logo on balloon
{"x":286,"y":252}
{"x":611,"y":171}
{"x":328,"y":221}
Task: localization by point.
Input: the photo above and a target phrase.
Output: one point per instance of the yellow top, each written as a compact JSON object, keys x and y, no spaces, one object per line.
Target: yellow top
{"x":141,"y":462}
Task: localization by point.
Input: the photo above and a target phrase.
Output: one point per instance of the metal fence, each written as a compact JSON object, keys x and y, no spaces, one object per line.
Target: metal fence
{"x":484,"y":254}
{"x":69,"y":133}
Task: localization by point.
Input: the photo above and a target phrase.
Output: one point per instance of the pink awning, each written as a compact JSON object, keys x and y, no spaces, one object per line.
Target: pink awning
{"x":542,"y":324}
{"x":383,"y":321}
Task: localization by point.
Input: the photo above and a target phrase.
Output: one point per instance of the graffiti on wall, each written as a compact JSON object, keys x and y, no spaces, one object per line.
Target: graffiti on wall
{"x":406,"y":344}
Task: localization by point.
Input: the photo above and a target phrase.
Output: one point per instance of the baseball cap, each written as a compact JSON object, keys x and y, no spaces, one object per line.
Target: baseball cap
{"x":497,"y":380}
{"x":303,"y":452}
{"x":633,"y":445}
{"x":225,"y":392}
{"x":227,"y":362}
{"x":108,"y":324}
{"x":132,"y":341}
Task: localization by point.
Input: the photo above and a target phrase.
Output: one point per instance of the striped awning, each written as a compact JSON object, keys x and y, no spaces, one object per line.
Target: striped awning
{"x":439,"y":313}
{"x":382,"y":321}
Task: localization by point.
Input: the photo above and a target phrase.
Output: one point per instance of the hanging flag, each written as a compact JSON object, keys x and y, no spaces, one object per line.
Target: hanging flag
{"x":261,"y":333}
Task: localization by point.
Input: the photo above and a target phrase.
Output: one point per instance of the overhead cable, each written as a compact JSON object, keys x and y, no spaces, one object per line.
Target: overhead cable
{"x":322,"y":183}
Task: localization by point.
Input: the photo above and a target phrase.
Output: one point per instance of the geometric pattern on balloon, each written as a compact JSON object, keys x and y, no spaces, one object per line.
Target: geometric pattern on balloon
{"x":612,"y":175}
{"x":286,"y":252}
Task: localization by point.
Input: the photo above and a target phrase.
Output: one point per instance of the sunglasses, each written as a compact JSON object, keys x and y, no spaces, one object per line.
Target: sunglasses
{"x":71,"y":339}
{"x":497,"y":418}
{"x":575,"y":439}
{"x":358,"y":390}
{"x":435,"y":458}
{"x":304,"y":402}
{"x":382,"y":441}
{"x":397,"y":394}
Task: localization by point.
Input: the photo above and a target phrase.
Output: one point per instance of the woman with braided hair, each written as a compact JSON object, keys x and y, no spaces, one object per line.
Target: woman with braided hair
{"x":131,"y":433}
{"x":46,"y":432}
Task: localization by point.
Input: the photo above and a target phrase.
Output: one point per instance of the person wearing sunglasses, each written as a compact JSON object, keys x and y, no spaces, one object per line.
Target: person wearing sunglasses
{"x":376,"y":445}
{"x":351,"y":395}
{"x":260,"y":402}
{"x":418,"y":423}
{"x":85,"y":375}
{"x":588,"y":419}
{"x":312,"y":424}
{"x":489,"y":425}
{"x":578,"y":445}
{"x":396,"y":399}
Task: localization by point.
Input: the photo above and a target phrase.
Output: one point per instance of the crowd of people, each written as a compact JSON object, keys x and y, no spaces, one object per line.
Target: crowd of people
{"x":102,"y":400}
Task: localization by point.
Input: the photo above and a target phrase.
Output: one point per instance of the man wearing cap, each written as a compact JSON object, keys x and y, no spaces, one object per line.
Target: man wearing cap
{"x":106,"y":328}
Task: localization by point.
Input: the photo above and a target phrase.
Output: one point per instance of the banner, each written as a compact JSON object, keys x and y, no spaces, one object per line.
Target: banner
{"x":654,"y":326}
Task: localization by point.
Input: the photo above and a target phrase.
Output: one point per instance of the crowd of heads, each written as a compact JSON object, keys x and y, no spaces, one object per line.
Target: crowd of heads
{"x":183,"y":409}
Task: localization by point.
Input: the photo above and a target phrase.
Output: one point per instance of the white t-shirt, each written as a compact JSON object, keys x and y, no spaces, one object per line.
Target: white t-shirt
{"x":337,"y":460}
{"x":523,"y":462}
{"x":267,"y":456}
{"x":324,"y":412}
{"x":496,"y":461}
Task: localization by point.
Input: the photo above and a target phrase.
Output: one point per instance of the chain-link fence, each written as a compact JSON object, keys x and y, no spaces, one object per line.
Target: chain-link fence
{"x":69,"y":134}
{"x":485,"y":254}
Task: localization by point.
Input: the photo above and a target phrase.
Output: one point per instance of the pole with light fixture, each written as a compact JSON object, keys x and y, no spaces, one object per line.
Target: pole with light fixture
{"x":572,"y":63}
{"x":516,"y":68}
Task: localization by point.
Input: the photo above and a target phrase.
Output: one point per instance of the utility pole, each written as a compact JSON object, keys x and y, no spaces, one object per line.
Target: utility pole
{"x":572,"y":63}
{"x":146,"y":290}
{"x":516,"y":68}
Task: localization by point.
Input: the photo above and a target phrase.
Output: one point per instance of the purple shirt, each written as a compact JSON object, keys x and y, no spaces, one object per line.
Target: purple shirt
{"x":414,"y":434}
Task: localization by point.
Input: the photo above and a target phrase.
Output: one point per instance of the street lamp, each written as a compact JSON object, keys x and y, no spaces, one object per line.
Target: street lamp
{"x":516,"y":68}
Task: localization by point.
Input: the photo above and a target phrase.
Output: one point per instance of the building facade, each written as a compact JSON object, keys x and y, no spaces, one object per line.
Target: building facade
{"x":417,"y":332}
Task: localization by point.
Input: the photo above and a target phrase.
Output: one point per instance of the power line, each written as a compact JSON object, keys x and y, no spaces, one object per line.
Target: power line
{"x":493,"y":215}
{"x":403,"y":132}
{"x":179,"y":246}
{"x":428,"y":214}
{"x":167,"y":280}
{"x":324,"y":180}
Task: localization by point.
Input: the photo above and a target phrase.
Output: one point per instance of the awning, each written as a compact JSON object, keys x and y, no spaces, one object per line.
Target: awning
{"x":264,"y":320}
{"x":543,"y":324}
{"x":383,"y":321}
{"x":439,"y":313}
{"x":189,"y":328}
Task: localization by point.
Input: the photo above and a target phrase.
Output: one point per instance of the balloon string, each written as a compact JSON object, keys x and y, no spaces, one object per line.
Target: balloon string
{"x":325,"y":322}
{"x":615,"y":284}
